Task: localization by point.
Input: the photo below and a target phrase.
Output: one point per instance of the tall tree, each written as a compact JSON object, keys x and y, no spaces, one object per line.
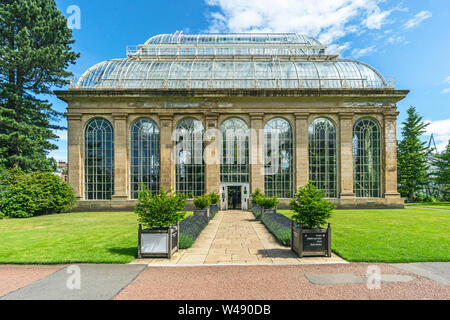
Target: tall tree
{"x":412,"y":155}
{"x":35,"y":51}
{"x":442,"y":172}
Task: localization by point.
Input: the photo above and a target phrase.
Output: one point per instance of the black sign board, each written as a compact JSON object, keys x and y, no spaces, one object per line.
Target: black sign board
{"x":315,"y":242}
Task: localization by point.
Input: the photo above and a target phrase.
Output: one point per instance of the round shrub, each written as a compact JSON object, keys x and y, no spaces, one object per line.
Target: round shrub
{"x":202,"y":202}
{"x":25,"y":195}
{"x":254,"y":195}
{"x":214,"y":197}
{"x":266,"y":202}
{"x":160,"y":210}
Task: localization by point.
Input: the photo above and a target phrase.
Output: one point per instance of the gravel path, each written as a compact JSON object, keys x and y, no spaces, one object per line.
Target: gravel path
{"x":274,"y":283}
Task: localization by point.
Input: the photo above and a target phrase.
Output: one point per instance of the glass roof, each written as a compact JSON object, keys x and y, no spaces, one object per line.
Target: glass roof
{"x":231,"y":61}
{"x":135,"y":74}
{"x":180,"y":37}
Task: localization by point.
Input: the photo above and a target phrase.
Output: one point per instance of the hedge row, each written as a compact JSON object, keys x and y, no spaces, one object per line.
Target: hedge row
{"x":278,"y":225}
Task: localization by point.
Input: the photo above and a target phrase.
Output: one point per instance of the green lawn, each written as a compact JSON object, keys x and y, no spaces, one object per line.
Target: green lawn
{"x":107,"y":237}
{"x":437,"y":205}
{"x":409,"y":235}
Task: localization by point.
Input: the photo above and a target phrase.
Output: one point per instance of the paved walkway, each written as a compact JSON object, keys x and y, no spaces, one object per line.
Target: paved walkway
{"x":225,"y":282}
{"x":236,"y":237}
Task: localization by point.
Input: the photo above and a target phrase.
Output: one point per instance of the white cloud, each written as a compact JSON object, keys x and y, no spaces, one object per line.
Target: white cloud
{"x":447,"y":80}
{"x":357,"y":53}
{"x":446,"y":90}
{"x":328,"y":20}
{"x":441,"y":132}
{"x":417,"y":19}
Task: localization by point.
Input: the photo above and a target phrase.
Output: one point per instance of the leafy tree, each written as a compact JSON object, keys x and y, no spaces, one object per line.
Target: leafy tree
{"x":442,"y":172}
{"x":412,"y":156}
{"x":35,"y":52}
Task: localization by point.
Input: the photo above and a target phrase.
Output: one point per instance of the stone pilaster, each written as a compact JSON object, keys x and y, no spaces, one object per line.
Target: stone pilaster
{"x":301,"y":149}
{"x":75,"y":142}
{"x":212,"y":154}
{"x":167,"y":163}
{"x":120,"y":157}
{"x":390,"y":156}
{"x":346,"y":156}
{"x":256,"y":141}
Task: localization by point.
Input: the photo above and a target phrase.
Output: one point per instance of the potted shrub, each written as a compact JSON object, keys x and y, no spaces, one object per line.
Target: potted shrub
{"x":214,"y":206}
{"x":253,"y":198}
{"x":311,"y":212}
{"x":202,"y":204}
{"x":267,"y":204}
{"x":160,"y":213}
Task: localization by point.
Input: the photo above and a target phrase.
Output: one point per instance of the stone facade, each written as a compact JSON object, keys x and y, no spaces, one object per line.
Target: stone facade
{"x":166,"y":107}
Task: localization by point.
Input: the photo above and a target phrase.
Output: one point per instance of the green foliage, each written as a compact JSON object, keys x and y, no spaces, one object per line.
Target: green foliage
{"x":202,"y":202}
{"x":162,"y":209}
{"x":310,"y":207}
{"x":266,"y":202}
{"x":214,"y":198}
{"x":35,"y":51}
{"x":442,"y":172}
{"x":412,"y":156}
{"x":420,"y":198}
{"x":24,"y":195}
{"x":255,"y":195}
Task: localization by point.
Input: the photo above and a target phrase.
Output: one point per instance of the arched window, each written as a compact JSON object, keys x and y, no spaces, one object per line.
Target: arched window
{"x":144,"y":156}
{"x":234,"y":167}
{"x":99,"y":160}
{"x":366,"y":158}
{"x":323,"y":156}
{"x":190,"y":166}
{"x":278,"y":159}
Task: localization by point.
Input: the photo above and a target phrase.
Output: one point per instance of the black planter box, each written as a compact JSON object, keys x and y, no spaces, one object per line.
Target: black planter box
{"x":158,"y":242}
{"x":202,"y":212}
{"x":311,"y":242}
{"x":271,"y":210}
{"x":214,"y":208}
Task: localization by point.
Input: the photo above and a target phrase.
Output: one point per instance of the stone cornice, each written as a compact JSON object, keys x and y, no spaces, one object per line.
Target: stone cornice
{"x":74,"y":94}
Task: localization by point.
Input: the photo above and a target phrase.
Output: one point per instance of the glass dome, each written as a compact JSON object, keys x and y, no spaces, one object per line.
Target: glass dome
{"x":231,"y":61}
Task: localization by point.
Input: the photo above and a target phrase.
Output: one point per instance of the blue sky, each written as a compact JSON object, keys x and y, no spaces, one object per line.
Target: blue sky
{"x":408,"y":41}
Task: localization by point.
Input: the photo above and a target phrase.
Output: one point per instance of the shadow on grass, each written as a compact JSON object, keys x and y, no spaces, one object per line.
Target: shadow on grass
{"x":131,"y":251}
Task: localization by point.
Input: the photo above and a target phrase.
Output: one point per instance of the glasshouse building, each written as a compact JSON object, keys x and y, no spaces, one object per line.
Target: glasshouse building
{"x":231,"y":113}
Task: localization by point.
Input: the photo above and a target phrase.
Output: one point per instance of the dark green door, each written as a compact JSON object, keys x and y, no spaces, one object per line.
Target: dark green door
{"x":234,"y":198}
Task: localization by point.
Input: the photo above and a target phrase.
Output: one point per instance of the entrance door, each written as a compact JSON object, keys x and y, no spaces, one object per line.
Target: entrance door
{"x":238,"y":192}
{"x":235,"y":197}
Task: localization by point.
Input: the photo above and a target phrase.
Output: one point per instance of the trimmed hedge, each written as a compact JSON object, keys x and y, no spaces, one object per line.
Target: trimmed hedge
{"x":25,"y":195}
{"x":190,"y":229}
{"x":278,"y":225}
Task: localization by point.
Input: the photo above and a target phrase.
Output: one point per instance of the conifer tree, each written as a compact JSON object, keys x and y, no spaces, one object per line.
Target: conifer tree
{"x":442,"y":172}
{"x":35,"y":52}
{"x":412,"y":156}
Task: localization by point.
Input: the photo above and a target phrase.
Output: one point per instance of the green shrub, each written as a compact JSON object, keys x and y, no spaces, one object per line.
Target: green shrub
{"x":266,"y":202}
{"x":279,"y":226}
{"x":24,"y":195}
{"x":162,"y":209}
{"x":255,"y":195}
{"x":214,"y":197}
{"x":202,"y":202}
{"x":310,"y":208}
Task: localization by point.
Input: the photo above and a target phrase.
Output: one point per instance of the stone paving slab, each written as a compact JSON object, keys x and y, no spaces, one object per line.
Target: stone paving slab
{"x":236,"y":237}
{"x":436,"y":271}
{"x":97,"y":282}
